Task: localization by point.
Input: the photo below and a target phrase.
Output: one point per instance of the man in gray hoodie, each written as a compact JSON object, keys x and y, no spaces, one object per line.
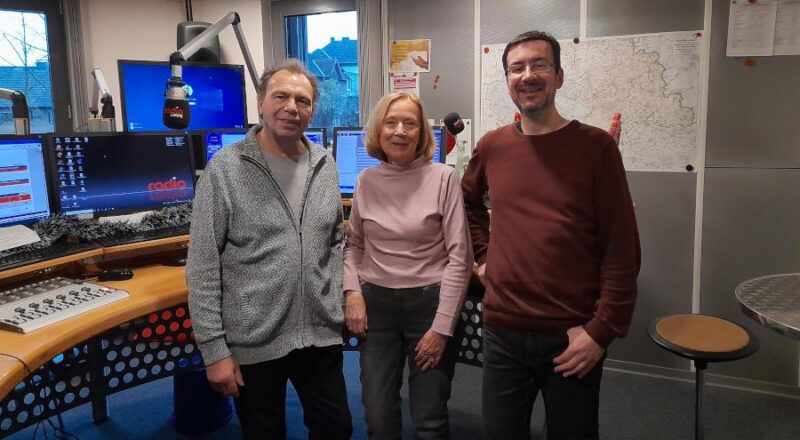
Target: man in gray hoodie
{"x":265,"y":267}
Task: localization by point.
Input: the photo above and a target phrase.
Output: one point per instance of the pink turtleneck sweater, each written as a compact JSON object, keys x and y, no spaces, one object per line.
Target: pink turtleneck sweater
{"x":408,"y":229}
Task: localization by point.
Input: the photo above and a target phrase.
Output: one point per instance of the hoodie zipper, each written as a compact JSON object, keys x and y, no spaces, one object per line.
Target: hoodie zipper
{"x":297,"y":223}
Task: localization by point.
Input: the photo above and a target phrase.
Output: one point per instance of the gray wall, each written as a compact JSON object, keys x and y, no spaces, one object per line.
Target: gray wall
{"x":449,"y":24}
{"x":752,"y":191}
{"x":751,"y":209}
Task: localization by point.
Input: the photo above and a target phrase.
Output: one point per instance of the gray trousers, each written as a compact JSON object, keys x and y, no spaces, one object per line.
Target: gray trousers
{"x":397,"y":319}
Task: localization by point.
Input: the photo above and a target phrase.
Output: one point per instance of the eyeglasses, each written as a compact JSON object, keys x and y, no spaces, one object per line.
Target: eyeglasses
{"x":408,"y":124}
{"x":535,"y":67}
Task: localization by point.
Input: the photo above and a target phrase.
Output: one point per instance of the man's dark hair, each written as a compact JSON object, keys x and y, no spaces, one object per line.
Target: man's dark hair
{"x":294,"y":66}
{"x":533,"y":36}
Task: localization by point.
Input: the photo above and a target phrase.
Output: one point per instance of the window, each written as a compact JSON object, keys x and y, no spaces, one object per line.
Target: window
{"x":328,"y":44}
{"x":32,"y":54}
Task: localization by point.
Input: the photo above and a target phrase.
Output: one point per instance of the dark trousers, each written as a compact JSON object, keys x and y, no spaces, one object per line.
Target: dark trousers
{"x":397,"y":319}
{"x":316,"y":374}
{"x":517,"y":364}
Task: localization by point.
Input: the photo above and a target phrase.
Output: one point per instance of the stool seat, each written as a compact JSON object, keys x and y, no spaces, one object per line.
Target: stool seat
{"x":702,"y":339}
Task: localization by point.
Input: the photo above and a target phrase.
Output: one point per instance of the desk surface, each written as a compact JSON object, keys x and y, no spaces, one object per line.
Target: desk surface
{"x":151,"y":288}
{"x":773,"y":301}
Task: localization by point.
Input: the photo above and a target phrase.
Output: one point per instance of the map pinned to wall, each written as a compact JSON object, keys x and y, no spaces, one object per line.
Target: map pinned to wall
{"x":652,"y":80}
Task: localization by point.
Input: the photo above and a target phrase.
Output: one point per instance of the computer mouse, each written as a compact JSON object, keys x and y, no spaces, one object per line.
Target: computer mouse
{"x":174,"y":262}
{"x":115,"y":275}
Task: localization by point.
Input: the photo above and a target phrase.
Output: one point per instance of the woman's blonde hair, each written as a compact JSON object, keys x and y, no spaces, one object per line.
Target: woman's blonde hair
{"x":426,"y":146}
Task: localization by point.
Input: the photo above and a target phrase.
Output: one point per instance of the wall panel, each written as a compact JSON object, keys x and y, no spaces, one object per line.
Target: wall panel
{"x":665,"y":217}
{"x":750,"y":228}
{"x":449,"y":24}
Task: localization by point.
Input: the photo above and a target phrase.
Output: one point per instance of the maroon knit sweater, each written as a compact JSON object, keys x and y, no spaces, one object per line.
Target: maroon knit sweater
{"x":564,"y":248}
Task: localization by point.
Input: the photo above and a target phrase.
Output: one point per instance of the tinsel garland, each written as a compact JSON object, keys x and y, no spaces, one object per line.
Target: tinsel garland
{"x":54,"y":228}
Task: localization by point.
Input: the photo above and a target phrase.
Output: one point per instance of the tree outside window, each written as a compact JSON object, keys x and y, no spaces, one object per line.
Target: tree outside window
{"x":328,"y":45}
{"x":25,"y":67}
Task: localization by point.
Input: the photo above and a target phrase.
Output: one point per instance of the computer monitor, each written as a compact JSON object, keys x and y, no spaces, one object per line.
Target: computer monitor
{"x":440,"y":137}
{"x":351,"y":157}
{"x":215,"y":140}
{"x":317,"y":136}
{"x":216,"y":95}
{"x":119,"y":173}
{"x":24,"y":196}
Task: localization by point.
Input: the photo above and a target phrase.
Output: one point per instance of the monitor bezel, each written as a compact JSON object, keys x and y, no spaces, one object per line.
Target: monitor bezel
{"x":324,"y":132}
{"x":54,"y":170}
{"x":47,"y":160}
{"x":201,"y":153}
{"x":123,"y":104}
{"x":334,"y":147}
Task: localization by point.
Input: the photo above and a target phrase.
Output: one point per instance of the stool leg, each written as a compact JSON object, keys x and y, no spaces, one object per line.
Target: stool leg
{"x":700,"y":369}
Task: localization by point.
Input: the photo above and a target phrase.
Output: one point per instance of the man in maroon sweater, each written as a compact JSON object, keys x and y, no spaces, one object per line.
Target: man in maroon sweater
{"x":560,"y":267}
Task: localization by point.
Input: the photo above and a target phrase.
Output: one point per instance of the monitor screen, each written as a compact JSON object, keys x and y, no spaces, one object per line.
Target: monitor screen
{"x":113,"y":174}
{"x":216,"y":95}
{"x":215,"y":140}
{"x":317,"y":136}
{"x":439,"y":137}
{"x":23,"y":180}
{"x":351,"y":157}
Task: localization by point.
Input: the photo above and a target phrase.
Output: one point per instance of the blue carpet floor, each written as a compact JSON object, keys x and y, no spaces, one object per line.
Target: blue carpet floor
{"x":633,"y":407}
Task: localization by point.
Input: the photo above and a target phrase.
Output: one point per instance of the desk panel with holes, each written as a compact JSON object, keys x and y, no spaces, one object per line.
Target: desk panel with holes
{"x":158,"y":345}
{"x":469,"y":326}
{"x":148,"y":348}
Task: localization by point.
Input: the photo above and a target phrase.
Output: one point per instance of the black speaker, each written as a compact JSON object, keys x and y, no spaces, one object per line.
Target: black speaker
{"x":207,"y":54}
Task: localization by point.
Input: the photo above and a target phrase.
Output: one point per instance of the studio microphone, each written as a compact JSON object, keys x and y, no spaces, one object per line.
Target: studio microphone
{"x":453,"y":123}
{"x":454,"y":126}
{"x":176,"y":107}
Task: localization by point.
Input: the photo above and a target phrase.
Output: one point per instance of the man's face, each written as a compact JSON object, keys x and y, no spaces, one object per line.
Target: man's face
{"x":533,"y":92}
{"x":287,"y":106}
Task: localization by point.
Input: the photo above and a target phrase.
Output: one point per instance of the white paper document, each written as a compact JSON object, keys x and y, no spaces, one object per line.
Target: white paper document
{"x":751,"y":28}
{"x":16,"y":236}
{"x":136,"y":217}
{"x":787,"y":28}
{"x":404,"y":82}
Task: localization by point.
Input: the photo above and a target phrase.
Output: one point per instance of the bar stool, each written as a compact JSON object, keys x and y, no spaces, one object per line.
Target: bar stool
{"x":702,"y":339}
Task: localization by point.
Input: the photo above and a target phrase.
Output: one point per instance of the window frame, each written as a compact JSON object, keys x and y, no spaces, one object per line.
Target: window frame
{"x":285,"y":8}
{"x":56,"y":43}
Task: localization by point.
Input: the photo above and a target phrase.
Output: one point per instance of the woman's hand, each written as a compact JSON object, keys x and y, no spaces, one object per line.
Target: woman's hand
{"x":355,"y":313}
{"x":430,"y":350}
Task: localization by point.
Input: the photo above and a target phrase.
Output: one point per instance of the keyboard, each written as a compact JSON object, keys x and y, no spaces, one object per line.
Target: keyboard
{"x":33,"y":306}
{"x":56,"y":250}
{"x":152,"y":234}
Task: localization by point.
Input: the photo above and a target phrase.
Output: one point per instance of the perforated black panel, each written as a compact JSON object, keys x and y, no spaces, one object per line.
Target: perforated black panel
{"x":472,"y":343}
{"x":63,"y":383}
{"x":148,"y":348}
{"x":158,"y":345}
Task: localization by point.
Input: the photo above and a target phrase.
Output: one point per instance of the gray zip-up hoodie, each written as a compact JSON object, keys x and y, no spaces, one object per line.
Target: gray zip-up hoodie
{"x":261,"y":282}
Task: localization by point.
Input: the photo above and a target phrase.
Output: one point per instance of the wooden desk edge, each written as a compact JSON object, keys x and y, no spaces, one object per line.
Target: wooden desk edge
{"x":150,"y":244}
{"x":43,"y":265}
{"x":148,"y":293}
{"x":180,"y":240}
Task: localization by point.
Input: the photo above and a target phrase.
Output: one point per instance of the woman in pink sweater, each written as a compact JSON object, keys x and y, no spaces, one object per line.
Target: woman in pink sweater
{"x":408,"y":261}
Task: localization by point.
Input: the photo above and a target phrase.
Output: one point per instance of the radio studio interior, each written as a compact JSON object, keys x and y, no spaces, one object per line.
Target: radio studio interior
{"x":554,"y":219}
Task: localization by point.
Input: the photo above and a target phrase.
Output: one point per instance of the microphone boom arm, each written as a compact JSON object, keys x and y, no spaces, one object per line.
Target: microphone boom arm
{"x":101,"y":94}
{"x":19,"y":110}
{"x":180,"y":56}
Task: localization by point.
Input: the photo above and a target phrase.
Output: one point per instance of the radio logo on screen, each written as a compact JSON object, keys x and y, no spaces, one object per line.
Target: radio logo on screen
{"x":167,"y":184}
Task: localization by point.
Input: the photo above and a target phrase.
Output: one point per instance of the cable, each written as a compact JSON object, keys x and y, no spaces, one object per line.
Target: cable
{"x":59,"y":432}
